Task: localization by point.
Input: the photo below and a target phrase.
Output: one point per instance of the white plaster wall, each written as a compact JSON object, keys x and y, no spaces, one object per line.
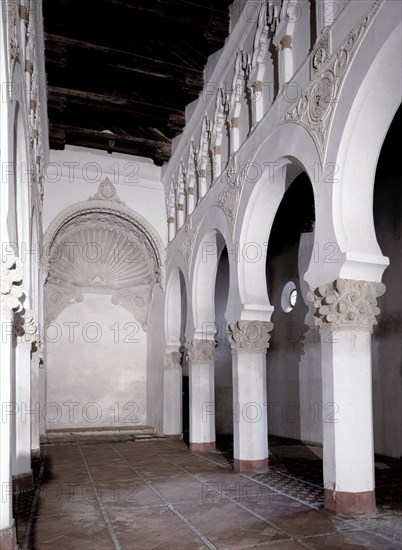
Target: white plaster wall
{"x":97,"y":364}
{"x":74,"y":174}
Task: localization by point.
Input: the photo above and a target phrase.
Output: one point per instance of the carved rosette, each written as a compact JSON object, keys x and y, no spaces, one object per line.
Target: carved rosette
{"x":11,"y":290}
{"x":172,"y":360}
{"x":315,"y":107}
{"x":249,"y":336}
{"x":346,"y":304}
{"x":201,"y":351}
{"x":26,"y":328}
{"x":106,"y":192}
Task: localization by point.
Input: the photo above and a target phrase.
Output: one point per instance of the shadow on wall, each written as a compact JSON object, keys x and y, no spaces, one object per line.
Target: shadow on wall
{"x":293,"y":359}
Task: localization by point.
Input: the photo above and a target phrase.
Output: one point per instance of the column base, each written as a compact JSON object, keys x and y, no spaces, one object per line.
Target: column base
{"x":8,"y":538}
{"x":174,"y":437}
{"x":35,"y":454}
{"x":350,"y":504}
{"x":23,"y":482}
{"x":251,"y":466}
{"x":203,"y":447}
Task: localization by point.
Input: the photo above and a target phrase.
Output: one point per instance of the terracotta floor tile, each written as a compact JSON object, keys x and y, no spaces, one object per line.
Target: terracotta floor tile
{"x":157,"y":495}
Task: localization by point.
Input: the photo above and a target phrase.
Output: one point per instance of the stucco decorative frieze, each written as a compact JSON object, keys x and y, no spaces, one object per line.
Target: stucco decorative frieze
{"x":201,"y":351}
{"x":187,"y":246}
{"x":172,"y":360}
{"x":315,"y":107}
{"x":25,"y":328}
{"x":229,"y":199}
{"x":11,"y":289}
{"x":136,"y":301}
{"x":346,"y":304}
{"x":12,"y":17}
{"x":249,"y":336}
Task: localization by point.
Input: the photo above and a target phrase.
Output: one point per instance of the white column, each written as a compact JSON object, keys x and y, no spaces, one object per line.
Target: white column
{"x":346,"y":312}
{"x":202,"y":183}
{"x":22,"y":472}
{"x":25,"y":326}
{"x":190,"y":200}
{"x":217,"y":162}
{"x":11,"y":273}
{"x":179,"y":216}
{"x":286,"y":59}
{"x":249,"y":343}
{"x":201,"y":356}
{"x":171,"y":228}
{"x":257,"y":103}
{"x":172,"y":396}
{"x":35,"y":403}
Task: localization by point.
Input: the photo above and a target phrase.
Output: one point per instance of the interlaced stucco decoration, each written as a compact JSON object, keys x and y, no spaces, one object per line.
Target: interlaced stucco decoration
{"x":101,"y":246}
{"x":315,"y":108}
{"x":249,"y":336}
{"x":346,"y":304}
{"x":172,"y":360}
{"x":230,"y":198}
{"x":187,"y":246}
{"x":201,"y":351}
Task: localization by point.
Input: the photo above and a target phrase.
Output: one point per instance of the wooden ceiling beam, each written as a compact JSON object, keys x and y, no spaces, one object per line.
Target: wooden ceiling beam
{"x":114,"y":102}
{"x":58,"y":47}
{"x":65,"y":134}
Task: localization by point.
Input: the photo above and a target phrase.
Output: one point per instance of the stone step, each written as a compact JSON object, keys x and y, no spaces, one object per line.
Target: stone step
{"x":106,"y":434}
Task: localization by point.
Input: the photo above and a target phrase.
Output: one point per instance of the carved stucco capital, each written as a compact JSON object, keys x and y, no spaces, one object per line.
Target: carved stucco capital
{"x":249,"y":336}
{"x":11,"y":289}
{"x":346,"y":304}
{"x":201,"y":351}
{"x":26,"y":328}
{"x":172,"y":360}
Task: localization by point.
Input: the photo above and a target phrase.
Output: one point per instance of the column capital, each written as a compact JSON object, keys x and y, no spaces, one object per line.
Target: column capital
{"x":25,"y":328}
{"x":249,"y":336}
{"x":201,"y":351}
{"x":172,"y":360}
{"x":346,"y":304}
{"x":11,"y":290}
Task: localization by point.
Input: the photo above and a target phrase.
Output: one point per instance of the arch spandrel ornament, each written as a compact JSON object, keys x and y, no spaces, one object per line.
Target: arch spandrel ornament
{"x":102,"y":246}
{"x":315,"y":108}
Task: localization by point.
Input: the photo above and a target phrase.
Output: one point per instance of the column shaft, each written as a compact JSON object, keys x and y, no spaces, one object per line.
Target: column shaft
{"x":249,"y":343}
{"x":172,"y":396}
{"x":201,"y":357}
{"x":346,"y":311}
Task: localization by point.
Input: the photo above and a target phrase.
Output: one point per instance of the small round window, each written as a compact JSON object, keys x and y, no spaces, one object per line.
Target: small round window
{"x":289,"y":297}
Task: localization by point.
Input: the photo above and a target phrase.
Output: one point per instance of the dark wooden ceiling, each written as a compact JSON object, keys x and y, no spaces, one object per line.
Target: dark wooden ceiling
{"x":120,"y":72}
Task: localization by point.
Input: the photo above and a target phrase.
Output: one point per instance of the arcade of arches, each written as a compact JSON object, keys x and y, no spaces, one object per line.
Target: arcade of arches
{"x":249,"y":289}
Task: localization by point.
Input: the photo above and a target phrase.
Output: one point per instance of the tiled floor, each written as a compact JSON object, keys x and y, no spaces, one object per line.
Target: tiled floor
{"x":156,"y":494}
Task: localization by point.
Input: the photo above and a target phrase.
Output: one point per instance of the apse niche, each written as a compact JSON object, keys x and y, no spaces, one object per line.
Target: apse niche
{"x":102,"y":267}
